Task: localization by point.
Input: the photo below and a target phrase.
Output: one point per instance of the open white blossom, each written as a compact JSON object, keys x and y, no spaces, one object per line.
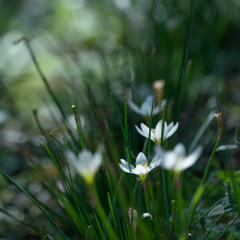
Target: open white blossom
{"x":142,"y":169}
{"x":146,"y":107}
{"x":86,"y":163}
{"x":156,"y":133}
{"x":176,"y":160}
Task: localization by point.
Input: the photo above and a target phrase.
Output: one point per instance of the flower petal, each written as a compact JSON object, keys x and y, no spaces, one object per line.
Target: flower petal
{"x":85,"y":154}
{"x":147,"y":215}
{"x":148,"y":100}
{"x":73,"y":158}
{"x":141,"y":159}
{"x":126,"y":164}
{"x":169,"y":160}
{"x":173,"y":130}
{"x":170,"y":126}
{"x":164,"y":101}
{"x":190,"y":160}
{"x":140,"y":131}
{"x":146,"y":107}
{"x":135,"y":108}
{"x":145,"y":129}
{"x":157,"y":109}
{"x":180,"y":150}
{"x":225,"y":147}
{"x":158,"y":130}
{"x":124,"y":169}
{"x":139,"y":170}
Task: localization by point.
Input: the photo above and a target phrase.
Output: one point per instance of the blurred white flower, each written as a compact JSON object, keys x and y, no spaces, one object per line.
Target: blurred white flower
{"x":86,"y":163}
{"x":142,"y":169}
{"x":226,"y":147}
{"x":157,"y":132}
{"x":146,"y":107}
{"x":176,"y":160}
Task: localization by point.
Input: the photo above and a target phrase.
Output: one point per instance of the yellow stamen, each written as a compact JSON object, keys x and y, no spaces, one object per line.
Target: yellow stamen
{"x":136,"y":164}
{"x":141,"y":164}
{"x":145,"y":165}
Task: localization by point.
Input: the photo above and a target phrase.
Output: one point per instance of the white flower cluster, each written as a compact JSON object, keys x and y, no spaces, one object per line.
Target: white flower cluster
{"x":175,"y":160}
{"x":87,"y":164}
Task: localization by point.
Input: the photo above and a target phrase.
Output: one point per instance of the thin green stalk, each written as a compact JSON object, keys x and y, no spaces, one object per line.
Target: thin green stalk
{"x":173,"y":219}
{"x":46,"y":214}
{"x":147,"y":208}
{"x":125,"y":118}
{"x":179,"y":88}
{"x":43,"y":77}
{"x":75,"y":198}
{"x":120,"y":121}
{"x":203,"y":215}
{"x":26,"y":224}
{"x":125,"y":230}
{"x":58,"y":141}
{"x":158,"y":226}
{"x":135,"y":189}
{"x":149,"y":134}
{"x":120,"y":232}
{"x":78,"y":128}
{"x":115,"y":196}
{"x":78,"y":226}
{"x":111,"y":211}
{"x":213,"y":225}
{"x":108,"y":179}
{"x":163,"y":176}
{"x":209,"y":163}
{"x":102,"y":215}
{"x":228,"y":227}
{"x":101,"y":233}
{"x":65,"y":143}
{"x":219,"y":121}
{"x":39,"y":126}
{"x":58,"y":167}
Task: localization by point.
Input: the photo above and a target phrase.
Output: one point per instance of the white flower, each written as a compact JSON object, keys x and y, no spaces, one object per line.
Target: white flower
{"x":176,"y":160}
{"x":142,"y":169}
{"x":86,"y":163}
{"x":146,"y":107}
{"x":157,"y":132}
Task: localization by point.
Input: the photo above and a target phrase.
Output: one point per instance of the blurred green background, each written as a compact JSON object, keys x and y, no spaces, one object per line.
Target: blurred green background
{"x":87,"y":49}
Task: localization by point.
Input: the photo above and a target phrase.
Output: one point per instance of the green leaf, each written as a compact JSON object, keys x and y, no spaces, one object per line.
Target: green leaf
{"x":219,"y":209}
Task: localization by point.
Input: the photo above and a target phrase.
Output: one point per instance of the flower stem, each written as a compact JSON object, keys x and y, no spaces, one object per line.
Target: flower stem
{"x":150,"y":130}
{"x":209,"y":163}
{"x":219,"y":120}
{"x":101,"y":213}
{"x":163,"y":176}
{"x":78,"y":128}
{"x":228,"y":227}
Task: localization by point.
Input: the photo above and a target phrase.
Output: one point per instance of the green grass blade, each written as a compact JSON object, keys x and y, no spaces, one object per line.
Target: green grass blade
{"x":149,"y":134}
{"x":125,"y":118}
{"x":25,"y":224}
{"x":44,"y":212}
{"x":78,"y":128}
{"x":111,"y":211}
{"x":163,"y":177}
{"x":203,"y":215}
{"x":58,"y":141}
{"x":228,"y":227}
{"x":65,"y":143}
{"x":213,"y":225}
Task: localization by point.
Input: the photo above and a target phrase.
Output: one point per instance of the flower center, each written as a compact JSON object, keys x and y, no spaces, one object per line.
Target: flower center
{"x":181,"y":159}
{"x":145,"y":165}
